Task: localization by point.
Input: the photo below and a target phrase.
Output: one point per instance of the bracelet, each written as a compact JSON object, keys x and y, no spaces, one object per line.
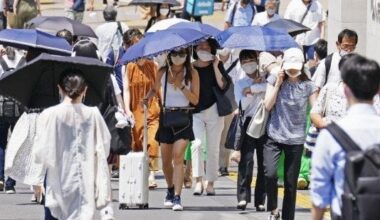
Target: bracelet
{"x":183,"y":87}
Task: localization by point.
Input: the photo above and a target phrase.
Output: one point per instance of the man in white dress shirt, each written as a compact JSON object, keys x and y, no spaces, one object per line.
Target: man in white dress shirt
{"x":269,"y":15}
{"x":361,"y":79}
{"x":310,"y":13}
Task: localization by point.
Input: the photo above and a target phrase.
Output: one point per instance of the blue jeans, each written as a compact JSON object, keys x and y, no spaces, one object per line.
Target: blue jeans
{"x":4,"y":128}
{"x":309,"y":52}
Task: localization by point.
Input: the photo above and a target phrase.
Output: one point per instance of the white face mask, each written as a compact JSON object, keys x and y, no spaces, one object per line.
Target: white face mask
{"x":271,"y":12}
{"x":177,"y":60}
{"x":250,"y":67}
{"x":205,"y":56}
{"x":164,"y":11}
{"x":343,"y":52}
{"x":224,"y":52}
{"x":161,"y":59}
{"x":293,"y":75}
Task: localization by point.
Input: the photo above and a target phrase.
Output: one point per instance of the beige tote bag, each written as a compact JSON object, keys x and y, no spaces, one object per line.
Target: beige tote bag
{"x":257,"y":125}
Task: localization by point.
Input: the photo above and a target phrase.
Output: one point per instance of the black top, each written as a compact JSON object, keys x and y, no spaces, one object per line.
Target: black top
{"x":207,"y":81}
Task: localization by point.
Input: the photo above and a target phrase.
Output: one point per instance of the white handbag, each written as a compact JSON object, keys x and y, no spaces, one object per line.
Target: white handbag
{"x":257,"y":125}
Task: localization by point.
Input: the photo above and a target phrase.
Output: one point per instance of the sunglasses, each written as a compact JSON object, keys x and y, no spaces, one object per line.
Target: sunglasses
{"x":179,"y":53}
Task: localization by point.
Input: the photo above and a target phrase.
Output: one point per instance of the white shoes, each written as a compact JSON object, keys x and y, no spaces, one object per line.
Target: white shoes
{"x":107,"y":213}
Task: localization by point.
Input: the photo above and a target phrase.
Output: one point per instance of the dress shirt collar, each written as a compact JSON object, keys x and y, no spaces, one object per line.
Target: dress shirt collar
{"x":361,"y":109}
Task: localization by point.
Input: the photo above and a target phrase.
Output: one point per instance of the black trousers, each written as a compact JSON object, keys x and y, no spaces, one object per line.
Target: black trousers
{"x":245,"y":170}
{"x":293,"y":153}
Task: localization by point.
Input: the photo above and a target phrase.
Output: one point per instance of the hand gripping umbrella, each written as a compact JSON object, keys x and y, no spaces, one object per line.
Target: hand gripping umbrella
{"x":35,"y":84}
{"x":255,"y":38}
{"x":53,"y":24}
{"x":24,"y":39}
{"x":161,"y":42}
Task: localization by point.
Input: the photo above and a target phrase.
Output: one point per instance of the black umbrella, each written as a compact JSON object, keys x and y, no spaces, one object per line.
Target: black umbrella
{"x":35,"y":84}
{"x":292,"y":27}
{"x":53,"y":24}
{"x":154,"y":2}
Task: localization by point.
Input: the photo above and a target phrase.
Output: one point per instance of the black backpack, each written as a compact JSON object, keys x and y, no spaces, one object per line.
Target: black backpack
{"x":361,"y":197}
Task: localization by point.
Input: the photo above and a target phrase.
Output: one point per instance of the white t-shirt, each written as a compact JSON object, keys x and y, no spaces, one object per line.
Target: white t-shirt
{"x":295,"y":11}
{"x":262,"y":18}
{"x":319,"y":77}
{"x":115,"y":85}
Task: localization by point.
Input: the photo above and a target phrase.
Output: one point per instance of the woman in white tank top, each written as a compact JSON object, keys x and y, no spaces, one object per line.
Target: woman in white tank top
{"x":182,"y":90}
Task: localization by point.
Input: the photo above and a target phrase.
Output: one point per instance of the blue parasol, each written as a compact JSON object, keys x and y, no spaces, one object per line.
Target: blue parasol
{"x":26,"y":38}
{"x":255,"y":38}
{"x":204,"y":28}
{"x":162,"y":41}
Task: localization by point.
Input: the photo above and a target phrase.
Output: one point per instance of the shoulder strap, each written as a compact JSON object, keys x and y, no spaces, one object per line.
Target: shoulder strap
{"x":119,"y":28}
{"x":233,"y":64}
{"x":307,"y":11}
{"x":254,"y":10}
{"x":165,"y":87}
{"x":4,"y":64}
{"x":328,"y":61}
{"x":342,"y":138}
{"x":233,"y":13}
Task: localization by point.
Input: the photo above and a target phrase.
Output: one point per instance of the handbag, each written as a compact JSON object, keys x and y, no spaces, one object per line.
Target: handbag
{"x":237,"y":122}
{"x":257,"y":125}
{"x":173,"y":117}
{"x":121,"y":138}
{"x":223,"y":104}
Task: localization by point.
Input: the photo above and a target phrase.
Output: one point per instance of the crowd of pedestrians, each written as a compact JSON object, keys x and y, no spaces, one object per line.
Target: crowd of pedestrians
{"x":292,"y":87}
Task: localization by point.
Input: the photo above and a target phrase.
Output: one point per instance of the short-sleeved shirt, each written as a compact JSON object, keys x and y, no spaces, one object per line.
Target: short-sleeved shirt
{"x":262,"y":18}
{"x":243,"y":15}
{"x":333,"y":76}
{"x":287,"y":123}
{"x":295,"y":11}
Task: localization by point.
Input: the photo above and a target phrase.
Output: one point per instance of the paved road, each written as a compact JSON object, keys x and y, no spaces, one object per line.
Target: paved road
{"x":219,"y":207}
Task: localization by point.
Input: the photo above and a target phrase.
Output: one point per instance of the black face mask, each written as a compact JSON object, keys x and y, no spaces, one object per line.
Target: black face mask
{"x":246,"y":2}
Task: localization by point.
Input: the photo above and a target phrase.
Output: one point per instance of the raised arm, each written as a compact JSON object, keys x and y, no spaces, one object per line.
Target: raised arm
{"x":272,"y":91}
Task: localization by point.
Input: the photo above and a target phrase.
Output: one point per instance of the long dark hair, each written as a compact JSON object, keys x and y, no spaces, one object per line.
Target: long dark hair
{"x":188,"y":66}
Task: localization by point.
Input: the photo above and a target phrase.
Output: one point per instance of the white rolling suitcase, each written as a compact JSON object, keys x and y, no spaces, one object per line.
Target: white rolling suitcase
{"x":133,"y":176}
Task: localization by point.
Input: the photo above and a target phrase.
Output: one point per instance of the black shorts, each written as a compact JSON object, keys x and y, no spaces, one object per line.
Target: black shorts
{"x":170,"y":135}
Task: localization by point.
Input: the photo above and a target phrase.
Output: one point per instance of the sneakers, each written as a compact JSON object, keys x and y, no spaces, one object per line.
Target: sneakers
{"x":10,"y":190}
{"x":1,"y":185}
{"x":168,"y":203}
{"x":275,"y":216}
{"x":177,"y":206}
{"x":302,"y":184}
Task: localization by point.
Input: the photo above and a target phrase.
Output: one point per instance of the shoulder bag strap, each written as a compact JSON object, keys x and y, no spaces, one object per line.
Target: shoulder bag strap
{"x":254,"y":10}
{"x":342,"y":138}
{"x":307,"y":11}
{"x":232,"y":66}
{"x":233,"y":13}
{"x":165,"y":87}
{"x":119,"y":28}
{"x":328,"y":61}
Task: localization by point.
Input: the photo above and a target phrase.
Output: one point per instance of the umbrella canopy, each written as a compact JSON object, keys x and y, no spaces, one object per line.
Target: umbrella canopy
{"x":35,"y":84}
{"x":292,"y":27}
{"x":255,"y":38}
{"x":154,"y":2}
{"x":165,"y":24}
{"x":162,"y":41}
{"x":53,"y":24}
{"x":204,"y":28}
{"x":24,"y":39}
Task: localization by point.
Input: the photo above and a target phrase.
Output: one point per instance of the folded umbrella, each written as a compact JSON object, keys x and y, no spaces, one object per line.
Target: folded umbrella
{"x":24,"y":39}
{"x":35,"y":84}
{"x":53,"y":24}
{"x":162,"y":41}
{"x":154,"y":2}
{"x":255,"y":38}
{"x":204,"y":28}
{"x":165,"y":24}
{"x":292,"y":27}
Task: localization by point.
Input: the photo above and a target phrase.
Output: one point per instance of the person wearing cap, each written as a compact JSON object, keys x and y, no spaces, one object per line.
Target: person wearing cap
{"x":287,"y":97}
{"x":267,"y":16}
{"x":110,"y":34}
